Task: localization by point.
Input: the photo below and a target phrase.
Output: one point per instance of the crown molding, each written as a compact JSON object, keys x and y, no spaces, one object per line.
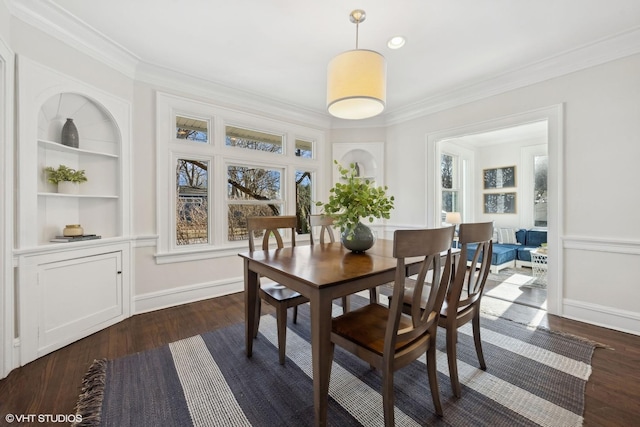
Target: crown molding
{"x":56,"y":22}
{"x":229,"y":97}
{"x":596,"y":53}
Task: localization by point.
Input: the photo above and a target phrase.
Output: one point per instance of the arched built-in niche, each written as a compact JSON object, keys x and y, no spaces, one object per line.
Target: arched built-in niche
{"x":96,"y":206}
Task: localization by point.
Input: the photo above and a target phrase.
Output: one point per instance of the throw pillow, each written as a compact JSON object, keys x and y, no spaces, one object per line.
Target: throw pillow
{"x":507,"y":236}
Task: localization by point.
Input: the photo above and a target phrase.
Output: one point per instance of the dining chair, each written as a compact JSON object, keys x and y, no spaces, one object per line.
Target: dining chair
{"x":325,"y":222}
{"x":279,"y":296}
{"x":389,"y":339}
{"x":462,"y":303}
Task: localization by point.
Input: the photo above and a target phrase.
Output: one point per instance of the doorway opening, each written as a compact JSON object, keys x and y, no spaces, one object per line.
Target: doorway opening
{"x":479,"y":147}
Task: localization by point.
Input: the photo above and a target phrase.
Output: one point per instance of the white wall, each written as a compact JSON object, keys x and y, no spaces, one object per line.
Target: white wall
{"x":601,"y":151}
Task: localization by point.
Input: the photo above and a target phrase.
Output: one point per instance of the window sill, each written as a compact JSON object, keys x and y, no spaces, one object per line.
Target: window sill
{"x":198,"y":254}
{"x":211,"y":252}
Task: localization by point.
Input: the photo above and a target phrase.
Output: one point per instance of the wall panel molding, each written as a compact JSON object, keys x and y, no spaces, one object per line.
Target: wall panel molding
{"x":612,"y":245}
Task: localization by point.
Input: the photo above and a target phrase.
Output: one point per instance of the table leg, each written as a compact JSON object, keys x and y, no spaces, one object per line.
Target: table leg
{"x":321,"y":354}
{"x":251,"y":283}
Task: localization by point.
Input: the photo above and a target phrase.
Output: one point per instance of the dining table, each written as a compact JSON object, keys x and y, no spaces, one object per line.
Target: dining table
{"x":322,"y":273}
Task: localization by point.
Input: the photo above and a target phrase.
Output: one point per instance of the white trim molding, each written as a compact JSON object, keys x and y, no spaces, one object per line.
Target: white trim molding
{"x":607,"y":317}
{"x":7,"y":303}
{"x":186,"y":294}
{"x":554,"y":116}
{"x":617,"y":246}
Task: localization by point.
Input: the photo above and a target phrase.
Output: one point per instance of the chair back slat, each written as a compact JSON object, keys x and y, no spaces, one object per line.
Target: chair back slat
{"x":473,"y":279}
{"x":271,"y":226}
{"x":325,"y":223}
{"x":428,"y":244}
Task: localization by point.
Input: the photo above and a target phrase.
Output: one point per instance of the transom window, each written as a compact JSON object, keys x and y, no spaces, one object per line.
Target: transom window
{"x":253,"y":140}
{"x":195,"y":130}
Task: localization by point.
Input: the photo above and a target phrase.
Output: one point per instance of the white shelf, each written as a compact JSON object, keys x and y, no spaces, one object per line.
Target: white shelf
{"x":78,"y":196}
{"x":52,"y":145}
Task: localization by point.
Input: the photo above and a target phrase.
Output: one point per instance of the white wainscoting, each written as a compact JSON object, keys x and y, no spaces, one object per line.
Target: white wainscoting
{"x":602,"y":314}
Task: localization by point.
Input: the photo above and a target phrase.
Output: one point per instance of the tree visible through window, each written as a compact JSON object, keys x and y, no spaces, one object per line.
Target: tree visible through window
{"x":251,"y":191}
{"x":450,"y":188}
{"x":264,"y":167}
{"x":192,"y":213}
{"x":540,"y":168}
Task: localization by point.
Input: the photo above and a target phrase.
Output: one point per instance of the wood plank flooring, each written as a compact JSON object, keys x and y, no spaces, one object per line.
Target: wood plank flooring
{"x":51,"y":384}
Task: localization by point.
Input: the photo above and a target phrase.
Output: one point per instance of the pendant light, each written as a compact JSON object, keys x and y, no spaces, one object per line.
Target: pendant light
{"x":357,"y":80}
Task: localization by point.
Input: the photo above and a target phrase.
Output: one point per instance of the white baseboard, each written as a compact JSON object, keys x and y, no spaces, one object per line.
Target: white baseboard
{"x":186,"y":294}
{"x":607,"y":317}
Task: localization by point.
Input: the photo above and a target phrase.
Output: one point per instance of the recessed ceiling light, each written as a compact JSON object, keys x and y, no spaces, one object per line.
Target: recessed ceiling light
{"x":396,"y":42}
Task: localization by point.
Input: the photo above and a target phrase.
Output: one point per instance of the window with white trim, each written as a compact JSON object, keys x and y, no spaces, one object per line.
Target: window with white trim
{"x":217,"y":166}
{"x":450,"y":184}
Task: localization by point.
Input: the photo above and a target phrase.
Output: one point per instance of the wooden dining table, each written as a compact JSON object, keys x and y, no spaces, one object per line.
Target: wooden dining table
{"x":320,"y":272}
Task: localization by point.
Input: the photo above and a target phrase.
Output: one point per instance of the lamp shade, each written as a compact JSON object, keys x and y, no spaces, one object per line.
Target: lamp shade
{"x":357,"y":84}
{"x":453,"y":218}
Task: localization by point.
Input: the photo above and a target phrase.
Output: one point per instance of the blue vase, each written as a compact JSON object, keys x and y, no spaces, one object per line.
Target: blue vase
{"x":69,"y":135}
{"x":362,"y":239}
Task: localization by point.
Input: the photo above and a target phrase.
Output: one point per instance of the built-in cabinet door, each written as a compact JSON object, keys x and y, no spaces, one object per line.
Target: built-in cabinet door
{"x":70,"y":294}
{"x":75,"y":295}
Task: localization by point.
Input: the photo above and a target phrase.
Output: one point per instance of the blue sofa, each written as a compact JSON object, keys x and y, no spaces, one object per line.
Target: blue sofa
{"x":513,"y":254}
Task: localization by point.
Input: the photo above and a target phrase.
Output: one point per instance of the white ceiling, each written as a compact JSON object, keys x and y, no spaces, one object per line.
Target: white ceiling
{"x":279,"y":49}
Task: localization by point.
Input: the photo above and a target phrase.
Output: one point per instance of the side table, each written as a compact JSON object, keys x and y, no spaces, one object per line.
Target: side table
{"x":539,"y":265}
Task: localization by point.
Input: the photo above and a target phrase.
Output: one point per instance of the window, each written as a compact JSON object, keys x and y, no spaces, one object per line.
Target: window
{"x":304,"y":149}
{"x":253,"y":140}
{"x":304,"y":196}
{"x":192,"y":208}
{"x":540,"y":170}
{"x":251,"y":191}
{"x":209,"y":182}
{"x":192,"y":129}
{"x":450,"y":179}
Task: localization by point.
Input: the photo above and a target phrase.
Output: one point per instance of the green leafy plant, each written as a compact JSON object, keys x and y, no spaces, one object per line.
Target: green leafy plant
{"x":64,"y":173}
{"x":354,"y":198}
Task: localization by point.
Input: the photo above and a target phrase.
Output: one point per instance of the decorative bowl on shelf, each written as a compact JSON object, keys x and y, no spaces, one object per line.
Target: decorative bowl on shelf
{"x":71,"y":230}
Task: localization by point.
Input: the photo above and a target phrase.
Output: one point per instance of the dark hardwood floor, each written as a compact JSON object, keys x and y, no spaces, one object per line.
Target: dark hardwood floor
{"x":51,"y":384}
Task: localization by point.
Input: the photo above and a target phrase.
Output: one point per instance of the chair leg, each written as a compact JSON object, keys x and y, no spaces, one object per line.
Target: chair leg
{"x":257,"y":322}
{"x":281,"y":319}
{"x":373,"y":295}
{"x":432,"y":373}
{"x":295,"y":314}
{"x":452,"y":338}
{"x":476,"y":338}
{"x":388,"y":397}
{"x":345,"y":304}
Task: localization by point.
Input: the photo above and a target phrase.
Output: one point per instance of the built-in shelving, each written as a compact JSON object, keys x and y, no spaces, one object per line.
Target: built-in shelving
{"x":78,"y":196}
{"x":56,"y":146}
{"x":90,"y":277}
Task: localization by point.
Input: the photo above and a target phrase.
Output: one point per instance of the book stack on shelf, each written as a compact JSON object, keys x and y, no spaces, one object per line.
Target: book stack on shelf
{"x":66,"y":239}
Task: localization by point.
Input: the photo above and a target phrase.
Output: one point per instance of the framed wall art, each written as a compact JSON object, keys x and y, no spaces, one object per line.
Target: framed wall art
{"x":499,"y":203}
{"x":504,"y":177}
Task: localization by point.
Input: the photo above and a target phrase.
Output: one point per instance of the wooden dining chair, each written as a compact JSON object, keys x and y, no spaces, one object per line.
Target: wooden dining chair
{"x":325,"y":223}
{"x":462,"y":303}
{"x":279,"y":296}
{"x":389,"y":339}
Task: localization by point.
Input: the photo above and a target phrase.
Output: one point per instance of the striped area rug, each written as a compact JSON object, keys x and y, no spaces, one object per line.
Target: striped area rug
{"x":533,"y":377}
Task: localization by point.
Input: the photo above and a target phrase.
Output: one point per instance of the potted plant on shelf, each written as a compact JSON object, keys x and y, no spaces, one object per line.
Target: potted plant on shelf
{"x":353,"y":199}
{"x":67,"y":179}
